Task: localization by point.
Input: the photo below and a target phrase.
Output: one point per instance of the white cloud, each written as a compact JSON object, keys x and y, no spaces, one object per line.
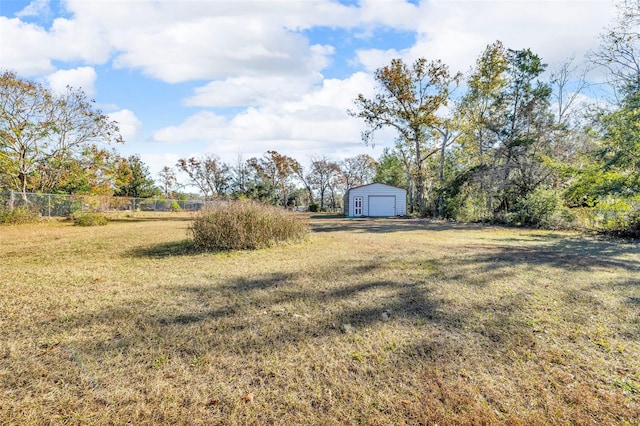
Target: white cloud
{"x":315,"y":124}
{"x":202,"y":126}
{"x":193,"y":40}
{"x":457,"y":33}
{"x":35,"y":8}
{"x":80,"y":78}
{"x":33,"y":49}
{"x":29,"y":51}
{"x":156,"y":161}
{"x":244,"y":91}
{"x":372,"y":59}
{"x":128,"y":123}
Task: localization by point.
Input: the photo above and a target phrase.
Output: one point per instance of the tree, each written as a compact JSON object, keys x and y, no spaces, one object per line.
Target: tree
{"x":276,"y":171}
{"x":447,"y":133}
{"x":358,"y":170}
{"x":390,"y":170}
{"x":619,"y":50}
{"x":619,"y":151}
{"x":324,"y":176}
{"x":134,"y":179}
{"x":508,"y":128}
{"x":479,"y":108}
{"x":42,"y":135}
{"x":210,"y":175}
{"x":168,"y":181}
{"x":613,"y":164}
{"x":409,"y":100}
{"x":96,"y":171}
{"x":241,"y":176}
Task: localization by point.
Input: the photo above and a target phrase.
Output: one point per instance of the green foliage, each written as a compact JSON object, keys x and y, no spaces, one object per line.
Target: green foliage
{"x":245,"y":225}
{"x":134,"y":179}
{"x":390,"y":170}
{"x":541,"y":208}
{"x":409,"y":101}
{"x":48,"y":139}
{"x":507,"y":129}
{"x":19,"y":215}
{"x":314,"y":207}
{"x":175,"y":207}
{"x":616,"y":216}
{"x":89,"y":219}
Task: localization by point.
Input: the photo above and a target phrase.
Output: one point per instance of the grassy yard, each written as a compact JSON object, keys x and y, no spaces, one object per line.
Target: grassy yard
{"x":373,"y":322}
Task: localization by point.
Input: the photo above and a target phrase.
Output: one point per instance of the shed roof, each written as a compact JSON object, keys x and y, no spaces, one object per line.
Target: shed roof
{"x":377,"y":183}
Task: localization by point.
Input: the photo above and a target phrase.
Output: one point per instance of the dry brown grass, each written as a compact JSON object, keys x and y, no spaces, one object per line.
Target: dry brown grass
{"x":366,"y":322}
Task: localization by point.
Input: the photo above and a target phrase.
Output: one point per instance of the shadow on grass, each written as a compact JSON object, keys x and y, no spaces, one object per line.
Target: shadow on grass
{"x":173,"y":248}
{"x":407,"y":304}
{"x":384,"y":225}
{"x":156,"y":217}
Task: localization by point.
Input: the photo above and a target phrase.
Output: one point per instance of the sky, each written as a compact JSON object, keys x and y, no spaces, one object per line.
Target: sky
{"x":236,"y":78}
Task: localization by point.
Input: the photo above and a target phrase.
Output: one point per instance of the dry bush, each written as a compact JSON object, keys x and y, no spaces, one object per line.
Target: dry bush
{"x":245,"y":225}
{"x":89,"y":219}
{"x":18,"y":215}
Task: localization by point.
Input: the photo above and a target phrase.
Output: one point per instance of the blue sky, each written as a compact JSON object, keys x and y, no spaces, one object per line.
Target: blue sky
{"x":240,"y":77}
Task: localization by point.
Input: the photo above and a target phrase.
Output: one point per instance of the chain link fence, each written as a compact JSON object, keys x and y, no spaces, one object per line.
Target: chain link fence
{"x":62,"y":205}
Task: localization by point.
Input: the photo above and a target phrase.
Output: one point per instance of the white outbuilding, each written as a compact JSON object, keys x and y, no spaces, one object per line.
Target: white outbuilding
{"x":375,"y":200}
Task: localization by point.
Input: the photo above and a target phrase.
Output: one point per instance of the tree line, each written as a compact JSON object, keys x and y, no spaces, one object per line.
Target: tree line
{"x":512,"y":142}
{"x":509,"y":141}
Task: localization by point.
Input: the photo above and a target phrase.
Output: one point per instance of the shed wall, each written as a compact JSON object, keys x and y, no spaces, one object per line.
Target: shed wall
{"x":376,"y":190}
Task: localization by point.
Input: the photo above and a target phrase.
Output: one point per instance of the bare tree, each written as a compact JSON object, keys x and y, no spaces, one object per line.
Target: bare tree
{"x":168,"y":181}
{"x":358,"y":170}
{"x":208,"y":174}
{"x":619,"y":50}
{"x":323,"y":177}
{"x":277,"y":171}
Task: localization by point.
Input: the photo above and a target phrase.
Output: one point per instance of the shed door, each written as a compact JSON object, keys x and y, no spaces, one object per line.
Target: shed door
{"x":357,"y":206}
{"x":382,"y":205}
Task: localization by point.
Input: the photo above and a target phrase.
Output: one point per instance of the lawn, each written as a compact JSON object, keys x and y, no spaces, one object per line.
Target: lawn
{"x":377,"y":322}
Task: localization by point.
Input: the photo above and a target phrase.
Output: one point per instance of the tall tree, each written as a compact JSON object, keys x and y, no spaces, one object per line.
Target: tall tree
{"x":507,"y":127}
{"x":135,"y":179}
{"x":390,"y":170}
{"x":479,"y":108}
{"x":277,"y":172}
{"x":358,"y":170}
{"x":42,"y":135}
{"x":210,"y":175}
{"x":618,"y":153}
{"x":324,"y":175}
{"x":96,"y":172}
{"x":168,"y":181}
{"x":408,"y":101}
{"x":619,"y":50}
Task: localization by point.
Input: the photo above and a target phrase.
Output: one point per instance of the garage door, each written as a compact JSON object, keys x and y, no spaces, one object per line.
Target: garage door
{"x":382,"y":205}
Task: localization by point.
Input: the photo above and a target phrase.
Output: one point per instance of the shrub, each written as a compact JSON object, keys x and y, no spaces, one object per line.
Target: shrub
{"x":18,"y":215}
{"x":314,"y":208}
{"x":89,"y":219}
{"x":241,"y":225}
{"x":175,"y":207}
{"x":542,"y":208}
{"x":617,"y":216}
